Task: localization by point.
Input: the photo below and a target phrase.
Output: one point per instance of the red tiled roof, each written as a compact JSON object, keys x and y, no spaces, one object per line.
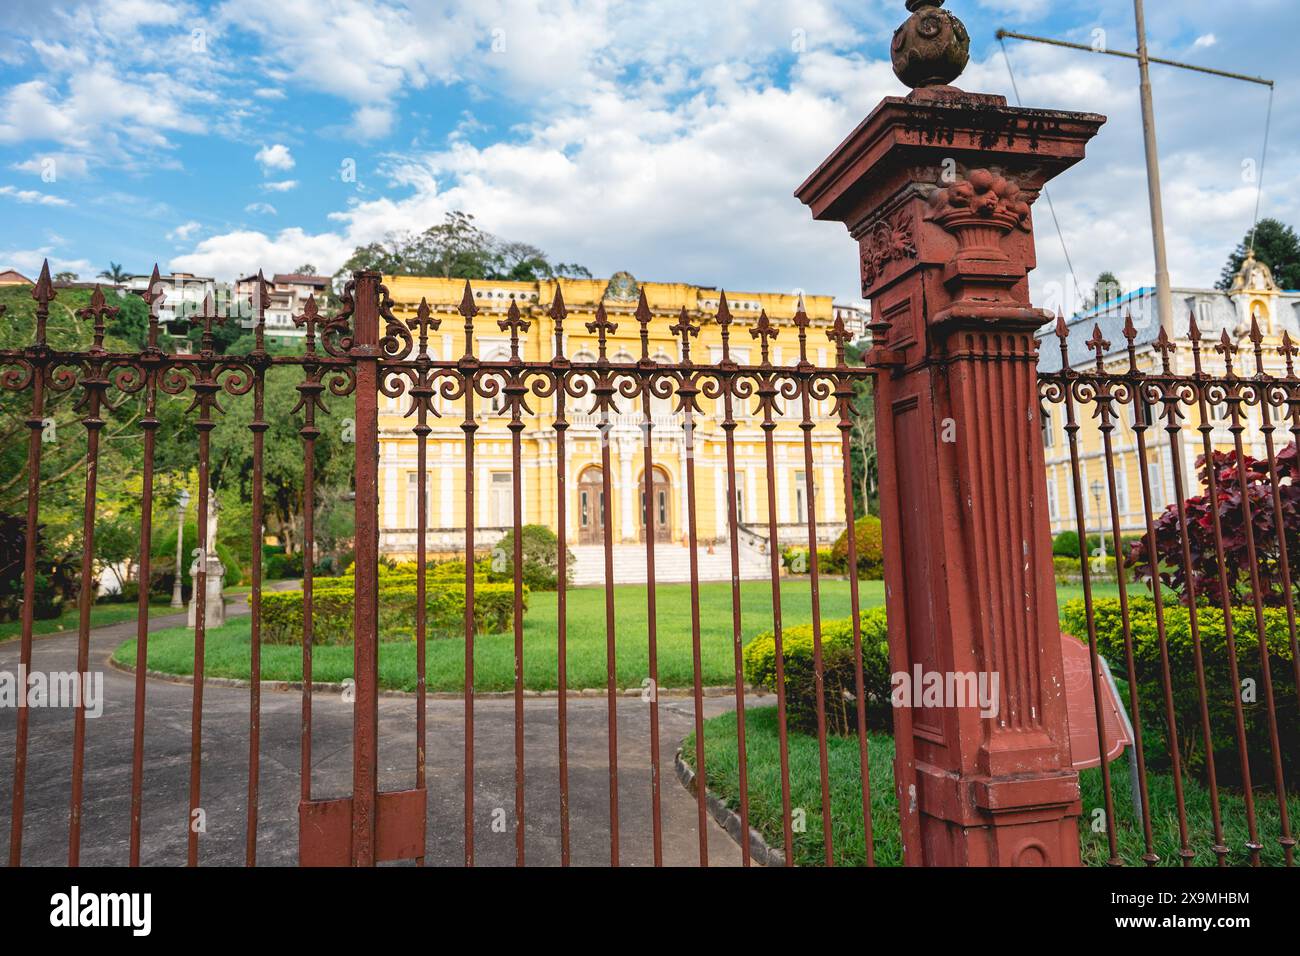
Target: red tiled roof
{"x":289,"y":278}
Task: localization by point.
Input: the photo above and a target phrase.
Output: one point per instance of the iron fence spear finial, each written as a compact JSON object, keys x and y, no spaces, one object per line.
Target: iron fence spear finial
{"x":468,"y":309}
{"x":514,"y":323}
{"x":43,"y":292}
{"x":262,"y":290}
{"x":686,"y":329}
{"x":801,"y":322}
{"x":601,"y":327}
{"x":841,"y":336}
{"x":643,"y":317}
{"x":558,"y":313}
{"x":1166,"y":348}
{"x":97,"y":313}
{"x":1227,"y":349}
{"x":1130,"y":338}
{"x":154,"y":297}
{"x":424,"y":322}
{"x":1062,"y":332}
{"x":1099,"y":347}
{"x":310,"y":316}
{"x":1257,"y":341}
{"x":1288,"y":350}
{"x":724,"y":326}
{"x":764,"y":330}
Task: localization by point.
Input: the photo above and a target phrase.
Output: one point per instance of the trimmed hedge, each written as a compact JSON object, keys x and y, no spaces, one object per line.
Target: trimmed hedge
{"x":1067,"y":570}
{"x":837,"y":669}
{"x":1187,"y":709}
{"x":282,"y":613}
{"x":541,"y":560}
{"x":871,"y":555}
{"x":795,"y":560}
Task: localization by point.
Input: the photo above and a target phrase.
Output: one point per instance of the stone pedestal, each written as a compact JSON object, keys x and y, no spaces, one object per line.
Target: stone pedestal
{"x":937,"y":188}
{"x":214,"y":611}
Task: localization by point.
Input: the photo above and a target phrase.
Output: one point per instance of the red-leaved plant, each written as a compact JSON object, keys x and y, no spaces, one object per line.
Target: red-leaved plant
{"x":1200,"y":510}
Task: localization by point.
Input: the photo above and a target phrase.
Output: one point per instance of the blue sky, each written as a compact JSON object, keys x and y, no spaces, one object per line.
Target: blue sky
{"x":664,"y":138}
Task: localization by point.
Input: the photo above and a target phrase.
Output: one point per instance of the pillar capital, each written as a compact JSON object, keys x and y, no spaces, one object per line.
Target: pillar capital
{"x":945,"y":181}
{"x":938,"y":190}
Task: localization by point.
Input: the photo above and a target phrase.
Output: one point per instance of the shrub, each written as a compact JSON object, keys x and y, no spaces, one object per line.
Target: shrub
{"x":128,"y":593}
{"x":871,"y":558}
{"x":1187,"y":708}
{"x":541,"y":565}
{"x":1066,"y":545}
{"x":1200,"y":511}
{"x":838,"y":672}
{"x":796,"y":561}
{"x":1068,"y":569}
{"x":282,"y":611}
{"x":164,"y":555}
{"x":279,"y":566}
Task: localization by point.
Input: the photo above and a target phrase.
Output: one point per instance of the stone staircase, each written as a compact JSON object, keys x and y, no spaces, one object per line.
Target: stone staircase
{"x":672,"y":564}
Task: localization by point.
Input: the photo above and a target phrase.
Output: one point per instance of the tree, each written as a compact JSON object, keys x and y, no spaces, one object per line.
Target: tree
{"x":862,"y":436}
{"x":115,"y":273}
{"x":307,"y":270}
{"x":66,"y":277}
{"x":231,"y":459}
{"x":457,"y":248}
{"x":1276,"y":245}
{"x":1105,"y":290}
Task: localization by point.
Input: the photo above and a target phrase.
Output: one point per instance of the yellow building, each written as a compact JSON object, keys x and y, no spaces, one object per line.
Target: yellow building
{"x":493,"y":474}
{"x":1253,"y":293}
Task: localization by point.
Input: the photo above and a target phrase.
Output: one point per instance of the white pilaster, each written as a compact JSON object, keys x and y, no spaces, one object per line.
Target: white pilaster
{"x":448,"y":493}
{"x":390,"y":487}
{"x":626,"y":489}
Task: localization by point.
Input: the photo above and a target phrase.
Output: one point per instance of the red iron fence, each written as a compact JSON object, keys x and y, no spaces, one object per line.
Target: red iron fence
{"x":1195,"y":612}
{"x":364,"y":350}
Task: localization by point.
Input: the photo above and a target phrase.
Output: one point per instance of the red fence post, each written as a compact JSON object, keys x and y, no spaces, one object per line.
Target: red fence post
{"x":365,"y":729}
{"x":936,"y":187}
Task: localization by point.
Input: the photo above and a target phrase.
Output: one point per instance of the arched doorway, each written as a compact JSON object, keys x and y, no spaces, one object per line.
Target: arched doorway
{"x":591,"y":507}
{"x":661,"y":501}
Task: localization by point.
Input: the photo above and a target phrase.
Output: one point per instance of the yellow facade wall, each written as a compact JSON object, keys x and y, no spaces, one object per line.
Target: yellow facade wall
{"x":446,"y":472}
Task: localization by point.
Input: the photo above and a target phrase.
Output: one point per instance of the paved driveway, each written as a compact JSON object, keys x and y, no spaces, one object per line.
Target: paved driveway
{"x":105,"y":829}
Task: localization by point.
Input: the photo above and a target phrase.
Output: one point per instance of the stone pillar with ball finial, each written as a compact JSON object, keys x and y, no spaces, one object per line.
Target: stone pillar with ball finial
{"x":938,"y":189}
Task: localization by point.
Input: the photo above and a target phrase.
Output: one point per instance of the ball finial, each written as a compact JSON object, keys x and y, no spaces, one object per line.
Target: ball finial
{"x":932,"y":46}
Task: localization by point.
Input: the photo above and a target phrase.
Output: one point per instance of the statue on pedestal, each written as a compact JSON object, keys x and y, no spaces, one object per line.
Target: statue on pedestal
{"x":214,"y":611}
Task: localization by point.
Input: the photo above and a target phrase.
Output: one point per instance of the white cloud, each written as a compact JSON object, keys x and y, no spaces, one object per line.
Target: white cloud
{"x":1205,"y":40}
{"x":372,"y":122}
{"x":184,"y":232}
{"x":116,"y":79}
{"x":32,"y":196}
{"x":237,"y":253}
{"x":260,"y":208}
{"x":280,"y":186}
{"x":269,"y":93}
{"x":28,"y":261}
{"x":275,"y":157}
{"x":57,"y":165}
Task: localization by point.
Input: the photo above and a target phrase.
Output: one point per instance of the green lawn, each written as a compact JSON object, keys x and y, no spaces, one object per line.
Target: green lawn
{"x":228,"y":648}
{"x":172,"y":651}
{"x":846,"y":800}
{"x":100,"y":615}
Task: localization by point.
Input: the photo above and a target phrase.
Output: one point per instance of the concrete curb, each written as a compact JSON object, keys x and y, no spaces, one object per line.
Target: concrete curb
{"x":672,"y":693}
{"x":729,"y":819}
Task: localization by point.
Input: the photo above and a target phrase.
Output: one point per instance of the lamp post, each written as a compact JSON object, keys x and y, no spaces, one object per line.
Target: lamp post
{"x":182,"y":503}
{"x":1101,"y":536}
